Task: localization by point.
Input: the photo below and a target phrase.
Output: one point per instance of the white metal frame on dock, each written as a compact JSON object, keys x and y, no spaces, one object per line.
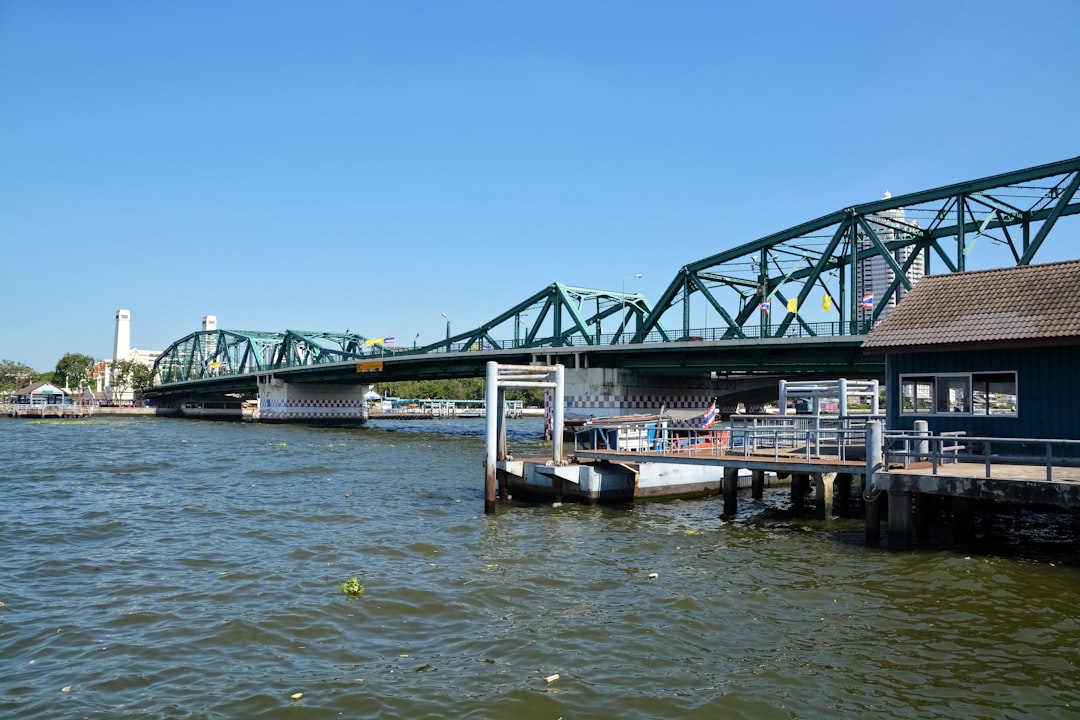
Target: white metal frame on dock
{"x":512,"y":377}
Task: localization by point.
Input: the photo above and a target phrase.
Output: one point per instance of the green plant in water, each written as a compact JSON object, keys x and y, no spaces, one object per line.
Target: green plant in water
{"x":352,"y":587}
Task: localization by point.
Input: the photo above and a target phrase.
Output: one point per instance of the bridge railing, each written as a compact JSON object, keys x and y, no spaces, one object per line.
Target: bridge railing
{"x":817,"y":329}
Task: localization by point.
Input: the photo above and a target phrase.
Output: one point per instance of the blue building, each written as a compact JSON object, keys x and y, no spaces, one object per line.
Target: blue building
{"x":992,"y":353}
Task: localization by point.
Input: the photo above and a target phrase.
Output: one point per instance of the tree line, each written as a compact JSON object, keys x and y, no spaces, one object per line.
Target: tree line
{"x":457,"y":389}
{"x":73,"y":371}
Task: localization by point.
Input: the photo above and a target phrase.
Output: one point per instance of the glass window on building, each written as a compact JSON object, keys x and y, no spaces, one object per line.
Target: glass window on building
{"x":994,"y":393}
{"x":959,"y":394}
{"x":917,"y":395}
{"x":954,"y":394}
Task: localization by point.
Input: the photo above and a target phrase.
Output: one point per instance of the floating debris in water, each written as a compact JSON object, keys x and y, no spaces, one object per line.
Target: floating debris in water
{"x":551,"y":678}
{"x":352,"y":587}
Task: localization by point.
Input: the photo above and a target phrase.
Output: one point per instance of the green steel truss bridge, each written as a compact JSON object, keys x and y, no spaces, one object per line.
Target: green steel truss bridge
{"x":765,"y":293}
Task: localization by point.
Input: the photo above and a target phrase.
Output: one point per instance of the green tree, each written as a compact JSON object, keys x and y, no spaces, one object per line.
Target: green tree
{"x":458,"y":389}
{"x":129,"y":375}
{"x":73,"y":370}
{"x":14,"y":375}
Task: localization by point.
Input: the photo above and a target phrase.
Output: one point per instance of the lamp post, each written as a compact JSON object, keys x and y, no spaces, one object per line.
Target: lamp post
{"x":447,"y":331}
{"x":517,"y":327}
{"x":635,"y":276}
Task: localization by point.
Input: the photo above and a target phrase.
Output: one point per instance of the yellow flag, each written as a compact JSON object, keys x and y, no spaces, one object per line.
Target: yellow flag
{"x":826,"y":303}
{"x":793,"y":305}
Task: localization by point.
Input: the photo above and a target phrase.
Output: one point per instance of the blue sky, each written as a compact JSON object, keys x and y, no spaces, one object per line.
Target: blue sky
{"x":372,"y":165}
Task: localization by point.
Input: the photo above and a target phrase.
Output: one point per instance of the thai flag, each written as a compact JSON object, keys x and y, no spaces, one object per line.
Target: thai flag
{"x":867,"y":302}
{"x":389,"y":340}
{"x":764,"y":307}
{"x":710,"y":416}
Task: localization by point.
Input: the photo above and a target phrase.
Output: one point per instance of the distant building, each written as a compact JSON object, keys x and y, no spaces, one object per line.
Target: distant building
{"x":122,"y":350}
{"x":875,"y":275}
{"x":39,"y":393}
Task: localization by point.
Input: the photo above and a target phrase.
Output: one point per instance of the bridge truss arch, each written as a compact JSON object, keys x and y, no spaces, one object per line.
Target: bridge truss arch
{"x":761,"y":288}
{"x":217,"y":353}
{"x":558,"y":316}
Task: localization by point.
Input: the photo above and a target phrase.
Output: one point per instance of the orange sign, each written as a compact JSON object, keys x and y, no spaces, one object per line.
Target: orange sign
{"x":370,"y":366}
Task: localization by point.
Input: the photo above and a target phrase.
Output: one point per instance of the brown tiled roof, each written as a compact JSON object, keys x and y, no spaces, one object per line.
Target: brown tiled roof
{"x":1035,"y":304}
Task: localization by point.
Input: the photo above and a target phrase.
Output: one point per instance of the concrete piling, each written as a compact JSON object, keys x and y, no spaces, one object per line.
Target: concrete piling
{"x":731,"y":491}
{"x":757,"y":484}
{"x":823,"y":496}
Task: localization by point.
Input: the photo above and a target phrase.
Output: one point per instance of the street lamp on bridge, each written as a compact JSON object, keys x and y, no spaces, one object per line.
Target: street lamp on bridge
{"x":447,"y":331}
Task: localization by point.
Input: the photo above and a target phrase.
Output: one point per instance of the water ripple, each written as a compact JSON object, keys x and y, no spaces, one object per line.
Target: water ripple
{"x":190,"y":570}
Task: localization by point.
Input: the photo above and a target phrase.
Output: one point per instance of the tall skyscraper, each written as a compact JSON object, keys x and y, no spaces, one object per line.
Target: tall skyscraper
{"x":875,"y":274}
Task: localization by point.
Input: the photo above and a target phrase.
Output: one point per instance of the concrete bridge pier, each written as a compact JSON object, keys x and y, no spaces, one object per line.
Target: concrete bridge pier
{"x":609,"y":392}
{"x":285,"y":402}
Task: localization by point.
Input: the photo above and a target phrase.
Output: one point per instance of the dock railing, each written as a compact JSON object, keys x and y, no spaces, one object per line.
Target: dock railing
{"x":904,"y":449}
{"x":764,"y":436}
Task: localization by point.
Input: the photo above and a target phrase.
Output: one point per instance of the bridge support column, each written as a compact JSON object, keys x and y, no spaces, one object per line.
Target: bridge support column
{"x":823,"y":497}
{"x":609,"y":392}
{"x":731,"y":491}
{"x":757,"y":484}
{"x":284,"y":402}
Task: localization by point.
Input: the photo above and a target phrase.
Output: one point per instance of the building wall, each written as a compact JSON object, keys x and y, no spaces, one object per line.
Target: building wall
{"x":1047,"y":387}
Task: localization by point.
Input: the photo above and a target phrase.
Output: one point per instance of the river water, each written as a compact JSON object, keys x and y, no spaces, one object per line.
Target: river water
{"x":186,"y":569}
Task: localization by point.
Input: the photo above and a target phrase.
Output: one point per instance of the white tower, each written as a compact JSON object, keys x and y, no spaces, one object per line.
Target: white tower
{"x":209,"y":322}
{"x":122,"y":341}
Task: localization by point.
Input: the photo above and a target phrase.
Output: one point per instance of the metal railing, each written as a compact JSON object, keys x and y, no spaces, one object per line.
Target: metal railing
{"x":762,"y":436}
{"x":906,"y":448}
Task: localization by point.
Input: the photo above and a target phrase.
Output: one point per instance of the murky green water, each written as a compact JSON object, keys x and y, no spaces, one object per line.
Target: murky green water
{"x":163,"y":568}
